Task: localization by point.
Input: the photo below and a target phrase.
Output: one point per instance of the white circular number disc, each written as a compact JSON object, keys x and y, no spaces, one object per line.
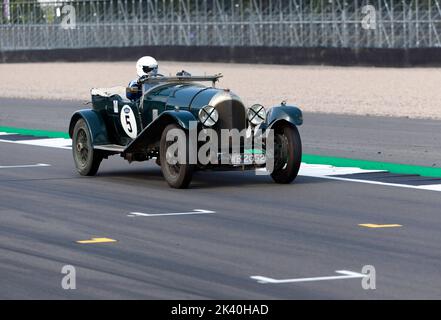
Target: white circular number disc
{"x":128,"y":121}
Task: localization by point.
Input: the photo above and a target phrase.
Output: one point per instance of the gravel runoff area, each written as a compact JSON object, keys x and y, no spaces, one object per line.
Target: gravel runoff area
{"x":408,"y":92}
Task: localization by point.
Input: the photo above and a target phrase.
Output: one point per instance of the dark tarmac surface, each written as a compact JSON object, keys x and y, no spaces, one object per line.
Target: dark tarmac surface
{"x":307,"y":229}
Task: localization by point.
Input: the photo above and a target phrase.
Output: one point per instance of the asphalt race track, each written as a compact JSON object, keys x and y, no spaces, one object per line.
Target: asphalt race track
{"x":248,"y":226}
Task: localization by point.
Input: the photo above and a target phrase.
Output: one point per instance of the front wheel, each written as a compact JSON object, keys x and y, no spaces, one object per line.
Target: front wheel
{"x":178,"y":175}
{"x":87,"y":160}
{"x":287,"y":154}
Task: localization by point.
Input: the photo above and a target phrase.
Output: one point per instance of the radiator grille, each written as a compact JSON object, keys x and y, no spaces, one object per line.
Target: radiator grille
{"x":231,"y":115}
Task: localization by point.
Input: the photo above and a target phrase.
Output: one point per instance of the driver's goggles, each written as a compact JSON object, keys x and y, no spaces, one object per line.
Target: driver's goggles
{"x":147,"y":69}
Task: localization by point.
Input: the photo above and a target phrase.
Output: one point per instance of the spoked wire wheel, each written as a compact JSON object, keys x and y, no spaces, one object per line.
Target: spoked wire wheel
{"x":173,"y":168}
{"x":287,"y":153}
{"x":178,"y":175}
{"x":87,"y":160}
{"x":82,"y":150}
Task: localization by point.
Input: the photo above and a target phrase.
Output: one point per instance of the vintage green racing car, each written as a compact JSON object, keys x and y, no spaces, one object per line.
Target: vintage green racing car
{"x":140,"y":130}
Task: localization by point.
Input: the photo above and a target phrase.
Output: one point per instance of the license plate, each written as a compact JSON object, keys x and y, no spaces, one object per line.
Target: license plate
{"x":247,"y":159}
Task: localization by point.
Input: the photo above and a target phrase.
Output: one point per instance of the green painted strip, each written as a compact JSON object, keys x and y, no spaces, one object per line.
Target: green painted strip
{"x":253,"y":151}
{"x":34,"y":132}
{"x":308,"y":158}
{"x":373,"y":165}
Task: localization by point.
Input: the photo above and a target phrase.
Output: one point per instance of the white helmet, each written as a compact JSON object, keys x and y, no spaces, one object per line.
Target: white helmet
{"x":147,"y":66}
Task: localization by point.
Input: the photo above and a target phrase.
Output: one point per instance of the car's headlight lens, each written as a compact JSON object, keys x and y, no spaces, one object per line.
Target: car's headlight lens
{"x":208,"y":115}
{"x":256,"y":114}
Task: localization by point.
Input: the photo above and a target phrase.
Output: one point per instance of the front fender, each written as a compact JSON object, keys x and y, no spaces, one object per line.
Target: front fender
{"x":182,"y":118}
{"x":153,"y":131}
{"x":290,"y":114}
{"x":95,"y":123}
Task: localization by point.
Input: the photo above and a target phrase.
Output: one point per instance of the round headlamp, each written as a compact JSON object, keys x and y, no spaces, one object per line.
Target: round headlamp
{"x":208,"y":116}
{"x":256,"y":114}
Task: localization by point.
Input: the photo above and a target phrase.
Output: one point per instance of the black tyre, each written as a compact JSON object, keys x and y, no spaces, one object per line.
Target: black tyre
{"x":87,"y":160}
{"x":287,"y":153}
{"x":177,"y":175}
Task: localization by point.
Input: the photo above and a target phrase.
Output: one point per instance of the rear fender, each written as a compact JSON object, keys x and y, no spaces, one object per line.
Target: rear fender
{"x":95,"y":123}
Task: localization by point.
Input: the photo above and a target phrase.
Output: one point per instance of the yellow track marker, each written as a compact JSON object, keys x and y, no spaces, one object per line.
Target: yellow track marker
{"x":96,"y":240}
{"x":372,"y":225}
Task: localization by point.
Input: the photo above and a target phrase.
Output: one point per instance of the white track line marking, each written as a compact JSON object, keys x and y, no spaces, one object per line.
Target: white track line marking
{"x":195,"y":211}
{"x":60,"y":143}
{"x":26,"y":166}
{"x":321,"y":170}
{"x":345,"y":275}
{"x":51,"y":142}
{"x":329,"y":172}
{"x":432,"y":187}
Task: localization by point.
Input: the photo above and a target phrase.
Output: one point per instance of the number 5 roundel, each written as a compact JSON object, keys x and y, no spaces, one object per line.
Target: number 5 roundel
{"x":128,"y":121}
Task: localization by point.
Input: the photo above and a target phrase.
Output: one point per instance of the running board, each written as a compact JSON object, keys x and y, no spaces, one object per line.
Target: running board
{"x":110,"y":147}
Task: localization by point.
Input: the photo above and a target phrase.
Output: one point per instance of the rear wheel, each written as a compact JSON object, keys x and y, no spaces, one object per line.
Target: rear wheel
{"x":87,"y":160}
{"x":287,"y":153}
{"x":178,"y":175}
